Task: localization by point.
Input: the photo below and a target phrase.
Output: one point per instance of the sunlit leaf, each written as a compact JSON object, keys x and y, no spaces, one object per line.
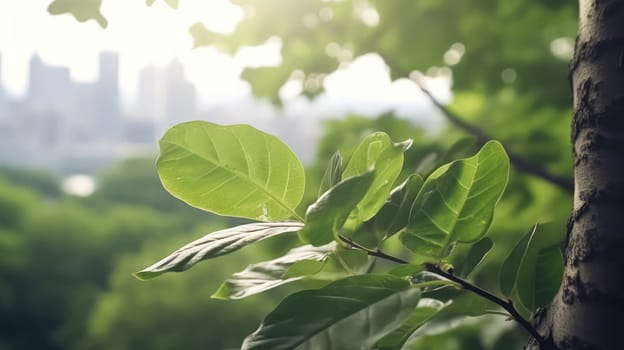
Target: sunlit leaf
{"x":376,"y":151}
{"x":457,"y":202}
{"x":82,"y":10}
{"x":425,"y":309}
{"x":216,"y":244}
{"x":352,"y":313}
{"x":231,"y":170}
{"x":332,"y":175}
{"x":266,"y":275}
{"x":327,"y":215}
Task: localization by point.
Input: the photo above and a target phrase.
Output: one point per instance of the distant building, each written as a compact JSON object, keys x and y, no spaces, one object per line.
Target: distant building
{"x":49,"y":89}
{"x":166,"y":97}
{"x":107,"y":116}
{"x":31,"y":139}
{"x":180,"y":99}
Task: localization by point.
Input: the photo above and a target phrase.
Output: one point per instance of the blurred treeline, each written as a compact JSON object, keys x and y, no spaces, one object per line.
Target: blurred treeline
{"x":66,"y":264}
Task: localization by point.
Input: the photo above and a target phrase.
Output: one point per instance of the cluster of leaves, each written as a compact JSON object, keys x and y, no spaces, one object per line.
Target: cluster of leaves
{"x":242,"y":172}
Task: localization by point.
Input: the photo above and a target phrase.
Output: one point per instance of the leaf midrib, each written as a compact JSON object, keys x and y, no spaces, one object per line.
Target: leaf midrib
{"x":447,"y":240}
{"x":242,"y":176}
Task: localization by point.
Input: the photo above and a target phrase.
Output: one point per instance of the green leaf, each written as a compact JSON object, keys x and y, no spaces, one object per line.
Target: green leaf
{"x":216,"y":244}
{"x":379,"y":152}
{"x":332,"y":175}
{"x":425,"y":310}
{"x":511,"y":265}
{"x":546,"y":275}
{"x":327,"y":215}
{"x":304,"y":268}
{"x":532,"y":273}
{"x":457,"y":202}
{"x":266,"y":275}
{"x":82,"y":10}
{"x":394,"y":215}
{"x":477,"y":253}
{"x":231,"y":170}
{"x":352,"y":313}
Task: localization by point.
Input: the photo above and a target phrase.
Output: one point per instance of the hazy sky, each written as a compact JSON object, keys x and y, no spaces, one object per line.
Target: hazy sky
{"x":156,"y":35}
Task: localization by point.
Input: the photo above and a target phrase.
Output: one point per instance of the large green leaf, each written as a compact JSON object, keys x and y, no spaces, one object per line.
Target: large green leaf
{"x":231,"y":170}
{"x":425,"y":309}
{"x":393,"y":216}
{"x":352,"y":313}
{"x":377,"y":152}
{"x":532,"y":273}
{"x":457,"y":201}
{"x":327,"y":215}
{"x":266,"y":275}
{"x":82,"y":10}
{"x":216,"y":244}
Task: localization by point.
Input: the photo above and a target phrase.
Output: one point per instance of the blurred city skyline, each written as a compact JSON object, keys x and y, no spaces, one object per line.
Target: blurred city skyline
{"x":75,"y":126}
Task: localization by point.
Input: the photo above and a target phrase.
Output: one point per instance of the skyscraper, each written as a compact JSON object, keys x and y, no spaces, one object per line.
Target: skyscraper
{"x":49,"y":88}
{"x":181,"y":97}
{"x":107,"y":114}
{"x":165,"y":96}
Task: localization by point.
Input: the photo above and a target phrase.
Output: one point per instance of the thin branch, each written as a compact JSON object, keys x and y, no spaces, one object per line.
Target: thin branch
{"x":372,"y":252}
{"x":505,"y":304}
{"x":522,"y":164}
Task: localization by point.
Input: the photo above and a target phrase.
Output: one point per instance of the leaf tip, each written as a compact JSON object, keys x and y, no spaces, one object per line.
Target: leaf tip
{"x":404,"y":145}
{"x":145,"y":275}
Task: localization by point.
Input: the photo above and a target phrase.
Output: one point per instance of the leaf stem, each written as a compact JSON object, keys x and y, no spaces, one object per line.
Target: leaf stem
{"x":506,"y":304}
{"x":372,"y":252}
{"x":523,"y":164}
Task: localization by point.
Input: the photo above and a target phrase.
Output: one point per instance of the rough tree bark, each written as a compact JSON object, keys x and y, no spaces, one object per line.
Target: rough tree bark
{"x":588,"y":311}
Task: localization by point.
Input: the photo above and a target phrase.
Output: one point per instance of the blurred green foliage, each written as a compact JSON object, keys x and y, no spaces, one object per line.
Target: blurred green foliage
{"x":65,"y":266}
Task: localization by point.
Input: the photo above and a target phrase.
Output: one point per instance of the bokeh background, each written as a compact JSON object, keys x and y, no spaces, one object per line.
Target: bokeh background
{"x":86,"y":94}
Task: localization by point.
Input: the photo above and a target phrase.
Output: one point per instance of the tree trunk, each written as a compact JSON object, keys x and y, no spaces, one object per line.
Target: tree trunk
{"x":588,"y":311}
